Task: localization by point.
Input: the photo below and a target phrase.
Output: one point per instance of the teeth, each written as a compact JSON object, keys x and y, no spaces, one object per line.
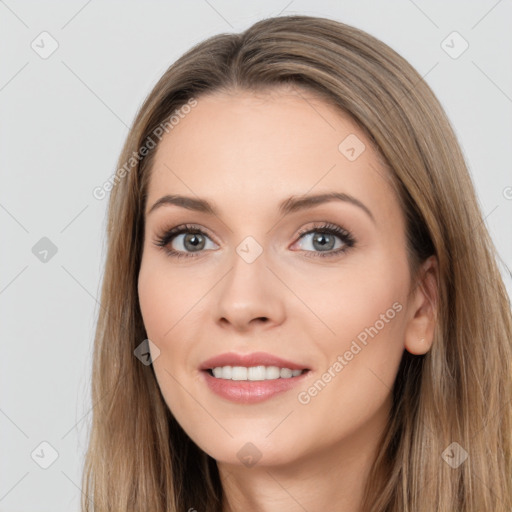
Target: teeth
{"x":254,"y":372}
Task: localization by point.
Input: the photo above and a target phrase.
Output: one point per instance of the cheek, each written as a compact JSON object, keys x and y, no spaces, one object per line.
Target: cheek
{"x":362,"y":299}
{"x":166,"y":295}
{"x":160,"y":306}
{"x":364,"y":309}
{"x":364,"y":312}
{"x":172,"y":312}
{"x":351,"y":298}
{"x":152,"y":306}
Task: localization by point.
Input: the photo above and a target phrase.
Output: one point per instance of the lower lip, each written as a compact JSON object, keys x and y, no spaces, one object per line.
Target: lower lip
{"x":251,"y":392}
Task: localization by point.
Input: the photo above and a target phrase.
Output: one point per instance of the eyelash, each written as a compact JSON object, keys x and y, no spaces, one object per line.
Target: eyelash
{"x":324,"y":228}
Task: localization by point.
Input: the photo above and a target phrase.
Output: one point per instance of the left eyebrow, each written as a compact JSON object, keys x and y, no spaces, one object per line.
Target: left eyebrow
{"x":293,"y":204}
{"x":290,"y":205}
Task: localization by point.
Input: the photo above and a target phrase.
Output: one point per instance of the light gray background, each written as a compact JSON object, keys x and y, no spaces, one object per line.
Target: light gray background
{"x":63,"y":122}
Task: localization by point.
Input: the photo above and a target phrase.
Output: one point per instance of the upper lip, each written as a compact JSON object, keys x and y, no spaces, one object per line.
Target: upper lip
{"x":252,"y":359}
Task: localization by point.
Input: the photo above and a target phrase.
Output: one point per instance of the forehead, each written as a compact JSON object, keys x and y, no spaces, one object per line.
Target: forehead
{"x":265,"y":146}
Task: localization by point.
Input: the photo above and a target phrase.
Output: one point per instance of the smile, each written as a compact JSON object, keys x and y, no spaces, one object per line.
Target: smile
{"x":253,"y":373}
{"x":249,"y":387}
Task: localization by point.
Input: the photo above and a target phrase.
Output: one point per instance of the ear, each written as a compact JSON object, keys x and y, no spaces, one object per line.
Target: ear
{"x":419,"y":332}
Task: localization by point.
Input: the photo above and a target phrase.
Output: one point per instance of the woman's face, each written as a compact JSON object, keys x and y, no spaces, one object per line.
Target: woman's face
{"x":262,"y":275}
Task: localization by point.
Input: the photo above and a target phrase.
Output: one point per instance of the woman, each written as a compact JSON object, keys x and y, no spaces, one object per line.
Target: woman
{"x":342,"y":338}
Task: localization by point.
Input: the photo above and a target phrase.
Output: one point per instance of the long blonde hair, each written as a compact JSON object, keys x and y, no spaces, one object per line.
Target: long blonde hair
{"x":139,"y":458}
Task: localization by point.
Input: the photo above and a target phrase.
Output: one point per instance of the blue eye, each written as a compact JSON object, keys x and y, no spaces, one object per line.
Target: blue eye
{"x":195,"y":240}
{"x":324,"y":236}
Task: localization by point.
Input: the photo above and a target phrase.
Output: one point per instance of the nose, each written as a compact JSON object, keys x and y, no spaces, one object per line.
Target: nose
{"x":250,"y":295}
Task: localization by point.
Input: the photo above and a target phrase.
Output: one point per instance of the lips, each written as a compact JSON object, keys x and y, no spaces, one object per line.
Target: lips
{"x":248,"y":360}
{"x":252,"y":392}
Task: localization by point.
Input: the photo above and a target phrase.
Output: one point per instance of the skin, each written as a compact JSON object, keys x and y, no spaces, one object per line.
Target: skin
{"x":246,"y":153}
